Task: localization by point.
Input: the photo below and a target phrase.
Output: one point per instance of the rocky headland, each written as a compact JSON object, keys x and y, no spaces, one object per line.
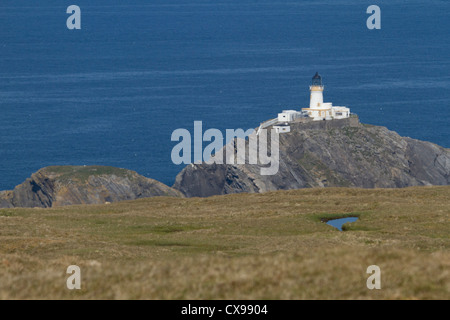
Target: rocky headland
{"x":336,"y":153}
{"x":70,"y":185}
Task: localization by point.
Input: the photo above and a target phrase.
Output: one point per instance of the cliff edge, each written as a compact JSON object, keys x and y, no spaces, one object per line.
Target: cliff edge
{"x":70,"y":185}
{"x":336,"y":153}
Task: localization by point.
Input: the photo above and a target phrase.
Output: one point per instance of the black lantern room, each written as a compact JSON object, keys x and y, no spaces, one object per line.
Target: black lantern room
{"x":317,"y":80}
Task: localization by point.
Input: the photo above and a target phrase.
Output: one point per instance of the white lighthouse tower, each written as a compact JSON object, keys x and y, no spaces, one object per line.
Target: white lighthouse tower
{"x":316,"y":89}
{"x":318,"y":110}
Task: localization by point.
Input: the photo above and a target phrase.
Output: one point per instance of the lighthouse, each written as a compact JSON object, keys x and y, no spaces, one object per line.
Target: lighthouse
{"x":318,"y":110}
{"x":316,"y":90}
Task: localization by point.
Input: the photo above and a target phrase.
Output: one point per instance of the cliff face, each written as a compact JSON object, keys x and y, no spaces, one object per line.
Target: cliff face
{"x":68,"y":185}
{"x":337,"y":153}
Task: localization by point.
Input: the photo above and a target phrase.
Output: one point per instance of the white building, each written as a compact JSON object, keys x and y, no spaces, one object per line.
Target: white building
{"x":289,"y":115}
{"x":340,"y":112}
{"x":318,"y":110}
{"x":282,"y":128}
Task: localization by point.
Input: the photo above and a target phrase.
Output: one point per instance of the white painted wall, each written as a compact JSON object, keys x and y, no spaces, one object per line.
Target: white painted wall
{"x":288,"y":115}
{"x":282,"y":129}
{"x":340,"y":112}
{"x":316,"y":96}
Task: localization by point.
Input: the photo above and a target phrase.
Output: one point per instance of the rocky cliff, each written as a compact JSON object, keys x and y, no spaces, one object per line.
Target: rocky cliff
{"x":337,"y":153}
{"x":68,"y":185}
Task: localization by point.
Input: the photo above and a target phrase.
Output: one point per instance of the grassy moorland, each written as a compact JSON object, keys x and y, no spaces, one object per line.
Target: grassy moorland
{"x":245,"y":246}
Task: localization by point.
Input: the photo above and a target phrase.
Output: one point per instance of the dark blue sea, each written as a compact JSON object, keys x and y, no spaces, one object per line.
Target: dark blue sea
{"x":113,"y":92}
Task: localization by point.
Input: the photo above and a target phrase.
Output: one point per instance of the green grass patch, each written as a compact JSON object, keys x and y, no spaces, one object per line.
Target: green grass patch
{"x":252,"y":246}
{"x":82,"y":173}
{"x":8,"y":213}
{"x":163,"y":229}
{"x":157,"y":243}
{"x":183,"y":246}
{"x":353,"y":227}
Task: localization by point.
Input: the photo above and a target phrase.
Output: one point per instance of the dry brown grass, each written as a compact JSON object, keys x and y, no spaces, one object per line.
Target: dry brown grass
{"x":246,"y":246}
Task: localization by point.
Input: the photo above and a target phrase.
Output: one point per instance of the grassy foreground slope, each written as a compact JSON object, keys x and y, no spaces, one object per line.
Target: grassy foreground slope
{"x":242,"y":246}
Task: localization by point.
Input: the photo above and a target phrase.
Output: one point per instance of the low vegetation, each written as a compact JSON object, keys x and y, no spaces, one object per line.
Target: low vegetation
{"x":82,"y":173}
{"x":243,"y":246}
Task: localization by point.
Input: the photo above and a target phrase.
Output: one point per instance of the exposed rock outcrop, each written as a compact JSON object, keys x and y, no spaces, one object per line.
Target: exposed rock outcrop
{"x":337,"y":153}
{"x":69,"y":185}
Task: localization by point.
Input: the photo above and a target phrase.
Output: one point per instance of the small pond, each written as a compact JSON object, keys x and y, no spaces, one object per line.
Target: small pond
{"x":337,"y":223}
